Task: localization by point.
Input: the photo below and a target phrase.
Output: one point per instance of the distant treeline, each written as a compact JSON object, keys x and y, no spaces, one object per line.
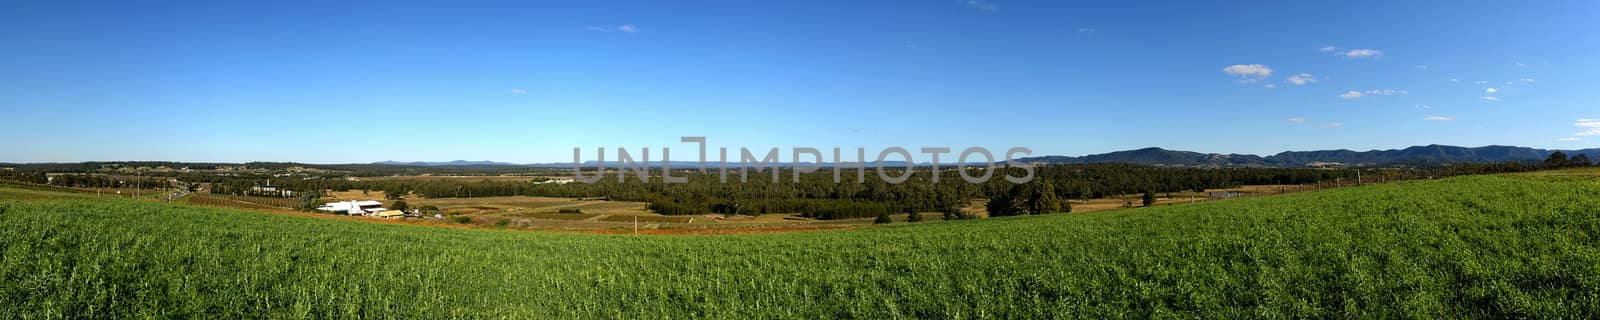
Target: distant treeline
{"x":352,"y":170}
{"x":815,"y":195}
{"x":86,"y":180}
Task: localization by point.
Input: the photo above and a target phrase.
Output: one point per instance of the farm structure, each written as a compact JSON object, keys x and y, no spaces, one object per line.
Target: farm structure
{"x":354,"y":207}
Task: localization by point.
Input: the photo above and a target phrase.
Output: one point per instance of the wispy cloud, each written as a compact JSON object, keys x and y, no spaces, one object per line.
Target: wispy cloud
{"x":1328,"y":49}
{"x":1087,"y":30}
{"x":1424,"y":106}
{"x":1249,"y":72}
{"x":1569,"y":139}
{"x":982,"y":6}
{"x":1362,"y":53}
{"x":1526,"y":80}
{"x":1301,"y":79}
{"x":1491,"y":90}
{"x":1295,"y":120}
{"x":626,"y":28}
{"x":1375,"y":92}
{"x":1334,"y":125}
{"x":1455,"y":80}
{"x":1590,"y":127}
{"x":517,"y":91}
{"x":1490,"y":98}
{"x":1269,"y":85}
{"x":1439,"y":118}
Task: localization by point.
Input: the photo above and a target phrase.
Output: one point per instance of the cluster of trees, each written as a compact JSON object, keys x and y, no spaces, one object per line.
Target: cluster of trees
{"x":25,"y":177}
{"x":1559,"y":159}
{"x":1033,"y":198}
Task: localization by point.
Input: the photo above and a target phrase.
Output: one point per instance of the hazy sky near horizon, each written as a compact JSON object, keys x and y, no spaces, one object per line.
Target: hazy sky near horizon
{"x":526,"y":81}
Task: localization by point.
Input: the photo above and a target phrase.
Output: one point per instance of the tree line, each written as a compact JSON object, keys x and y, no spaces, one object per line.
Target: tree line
{"x":815,"y":195}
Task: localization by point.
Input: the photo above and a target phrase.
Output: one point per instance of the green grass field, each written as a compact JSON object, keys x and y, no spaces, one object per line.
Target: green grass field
{"x":1481,"y":246}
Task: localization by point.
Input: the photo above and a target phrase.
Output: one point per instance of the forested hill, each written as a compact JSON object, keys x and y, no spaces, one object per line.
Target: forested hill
{"x":1419,"y":155}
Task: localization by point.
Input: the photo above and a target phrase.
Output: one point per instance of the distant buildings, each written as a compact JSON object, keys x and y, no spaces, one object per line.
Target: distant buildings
{"x":270,"y":190}
{"x":354,"y":208}
{"x":555,"y":181}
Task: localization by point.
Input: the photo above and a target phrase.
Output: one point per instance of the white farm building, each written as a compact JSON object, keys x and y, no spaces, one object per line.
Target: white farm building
{"x":364,"y":207}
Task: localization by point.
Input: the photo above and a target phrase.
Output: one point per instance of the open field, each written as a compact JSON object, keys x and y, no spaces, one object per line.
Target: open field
{"x":23,"y":193}
{"x":1502,"y":246}
{"x":239,"y":202}
{"x":1171,"y":198}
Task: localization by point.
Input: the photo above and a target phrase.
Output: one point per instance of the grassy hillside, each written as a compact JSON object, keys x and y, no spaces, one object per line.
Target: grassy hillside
{"x":1483,"y":246}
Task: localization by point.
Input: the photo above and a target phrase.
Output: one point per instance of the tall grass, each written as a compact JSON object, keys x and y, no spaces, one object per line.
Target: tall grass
{"x":1483,"y":246}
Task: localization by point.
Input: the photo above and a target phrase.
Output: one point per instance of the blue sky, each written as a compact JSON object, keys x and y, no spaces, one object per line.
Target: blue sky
{"x":525,"y":81}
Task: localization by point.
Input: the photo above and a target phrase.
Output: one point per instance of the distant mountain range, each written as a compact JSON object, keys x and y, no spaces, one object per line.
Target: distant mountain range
{"x":1419,"y":155}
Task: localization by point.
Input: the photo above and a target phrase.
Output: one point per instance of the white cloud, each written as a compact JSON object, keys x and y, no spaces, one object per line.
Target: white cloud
{"x":1269,"y":85}
{"x":1491,"y":90}
{"x":1250,"y":72}
{"x":1362,"y":53}
{"x":626,"y":28}
{"x":1087,"y":30}
{"x":1439,"y":118}
{"x":1334,"y":125}
{"x":1569,"y":139}
{"x":1591,"y":127}
{"x":1455,"y":80}
{"x":517,"y":91}
{"x":1328,"y":49}
{"x":1301,"y":79}
{"x":982,"y":6}
{"x":1481,"y":82}
{"x":1491,"y":98}
{"x":1424,"y":106}
{"x":1526,"y":80}
{"x":1519,"y":64}
{"x":1375,"y":92}
{"x":1295,"y":120}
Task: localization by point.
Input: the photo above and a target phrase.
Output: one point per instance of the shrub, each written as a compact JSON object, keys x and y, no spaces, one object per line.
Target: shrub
{"x":569,"y":211}
{"x":461,"y":219}
{"x":883,"y":217}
